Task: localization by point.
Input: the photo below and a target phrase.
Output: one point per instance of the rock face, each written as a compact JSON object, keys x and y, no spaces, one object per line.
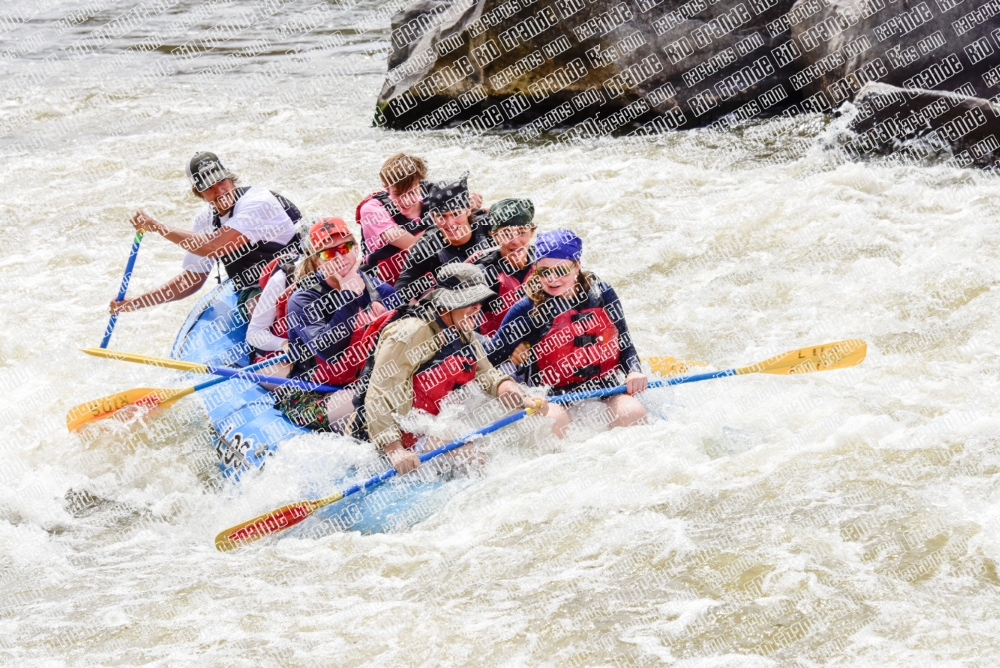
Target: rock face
{"x":928,"y":44}
{"x":600,"y":65}
{"x":612,"y":66}
{"x":925,"y":123}
{"x":898,"y":62}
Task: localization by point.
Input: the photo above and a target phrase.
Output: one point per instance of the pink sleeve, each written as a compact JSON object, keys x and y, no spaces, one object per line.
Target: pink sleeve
{"x":374,"y":221}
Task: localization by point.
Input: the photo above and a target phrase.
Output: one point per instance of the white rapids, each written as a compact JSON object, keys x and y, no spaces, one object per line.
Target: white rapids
{"x":847,"y":517}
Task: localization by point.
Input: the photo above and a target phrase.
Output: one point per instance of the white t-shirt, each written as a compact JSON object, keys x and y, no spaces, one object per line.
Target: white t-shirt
{"x":265,"y":313}
{"x":258,"y":215}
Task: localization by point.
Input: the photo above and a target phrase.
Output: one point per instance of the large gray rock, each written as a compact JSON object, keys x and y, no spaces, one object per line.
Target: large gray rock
{"x":603,"y":65}
{"x":925,"y":123}
{"x":926,"y":44}
{"x":614,"y":66}
{"x":944,"y":53}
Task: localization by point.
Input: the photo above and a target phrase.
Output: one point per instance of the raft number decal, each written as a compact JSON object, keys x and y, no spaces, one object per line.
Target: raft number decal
{"x":235,"y":450}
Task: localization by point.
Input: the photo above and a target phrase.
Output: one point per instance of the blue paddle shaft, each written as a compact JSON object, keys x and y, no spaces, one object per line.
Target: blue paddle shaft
{"x":255,"y":367}
{"x":609,"y":391}
{"x":123,"y":288}
{"x":500,"y":424}
{"x":382,"y":477}
{"x":274,"y":380}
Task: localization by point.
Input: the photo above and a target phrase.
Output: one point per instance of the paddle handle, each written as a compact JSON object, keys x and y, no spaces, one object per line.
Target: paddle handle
{"x":254,"y":367}
{"x":609,"y":391}
{"x":123,"y":288}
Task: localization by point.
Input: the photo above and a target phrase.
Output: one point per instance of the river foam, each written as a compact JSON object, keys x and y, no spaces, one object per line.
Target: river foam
{"x":843,"y":517}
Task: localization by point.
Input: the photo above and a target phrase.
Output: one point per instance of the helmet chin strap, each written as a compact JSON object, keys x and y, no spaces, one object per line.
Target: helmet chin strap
{"x":448,"y":318}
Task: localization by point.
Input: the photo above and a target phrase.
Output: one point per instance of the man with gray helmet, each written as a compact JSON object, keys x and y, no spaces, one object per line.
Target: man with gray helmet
{"x":242,"y":227}
{"x":426,"y":354}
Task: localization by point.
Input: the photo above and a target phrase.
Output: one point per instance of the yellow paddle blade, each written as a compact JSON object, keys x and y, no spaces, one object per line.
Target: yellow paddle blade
{"x":837,"y":355}
{"x":669,"y":367}
{"x":270,"y":523}
{"x":105,"y":406}
{"x":146,"y":359}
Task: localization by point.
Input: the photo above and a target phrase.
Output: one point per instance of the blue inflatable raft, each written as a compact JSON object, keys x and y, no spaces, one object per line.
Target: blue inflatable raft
{"x":248,"y":429}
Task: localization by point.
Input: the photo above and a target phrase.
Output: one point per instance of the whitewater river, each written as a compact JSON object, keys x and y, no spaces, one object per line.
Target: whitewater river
{"x":848,"y":517}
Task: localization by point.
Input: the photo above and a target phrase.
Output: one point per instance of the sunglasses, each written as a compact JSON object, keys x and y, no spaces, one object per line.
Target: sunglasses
{"x":340,"y":249}
{"x":555,"y":272}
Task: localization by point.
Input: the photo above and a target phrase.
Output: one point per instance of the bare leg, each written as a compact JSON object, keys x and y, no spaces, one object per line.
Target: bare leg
{"x":625,"y":411}
{"x":339,"y":407}
{"x":280,"y":369}
{"x":560,"y":419}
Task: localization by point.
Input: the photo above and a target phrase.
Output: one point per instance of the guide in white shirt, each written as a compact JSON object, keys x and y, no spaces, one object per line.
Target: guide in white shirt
{"x":244,"y":228}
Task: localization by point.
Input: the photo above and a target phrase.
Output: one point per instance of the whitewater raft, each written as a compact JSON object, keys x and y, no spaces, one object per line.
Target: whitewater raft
{"x":248,"y":429}
{"x":247,"y":426}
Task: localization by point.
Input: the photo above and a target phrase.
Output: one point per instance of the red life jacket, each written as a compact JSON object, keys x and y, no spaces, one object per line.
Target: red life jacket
{"x":509,"y":293}
{"x":432,"y":384}
{"x":581,"y":344}
{"x":265,"y":273}
{"x":280,"y":326}
{"x":388,"y":261}
{"x":348,"y":364}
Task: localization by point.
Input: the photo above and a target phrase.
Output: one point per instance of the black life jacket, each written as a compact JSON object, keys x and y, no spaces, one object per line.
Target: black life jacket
{"x":433,"y":252}
{"x":388,"y":261}
{"x":472,"y":249}
{"x":244,"y":265}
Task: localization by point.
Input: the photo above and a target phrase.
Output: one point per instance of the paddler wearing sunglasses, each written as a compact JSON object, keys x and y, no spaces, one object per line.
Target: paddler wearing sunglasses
{"x":429,"y":351}
{"x":570,"y":330}
{"x":509,"y":265}
{"x":333,"y":316}
{"x":459,"y":233}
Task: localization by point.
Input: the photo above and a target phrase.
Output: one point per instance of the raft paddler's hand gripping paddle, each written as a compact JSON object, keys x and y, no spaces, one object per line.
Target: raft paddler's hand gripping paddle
{"x":839,"y":355}
{"x":123,"y":288}
{"x":826,"y":357}
{"x":162,"y":397}
{"x":294,"y":513}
